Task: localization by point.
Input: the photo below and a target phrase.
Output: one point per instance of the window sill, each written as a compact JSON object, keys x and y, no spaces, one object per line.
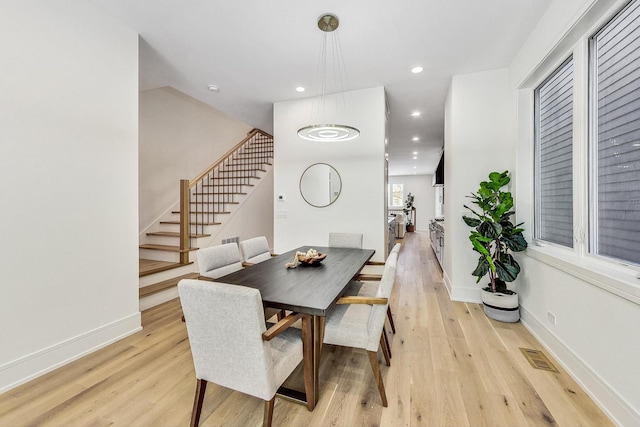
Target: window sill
{"x":619,"y":280}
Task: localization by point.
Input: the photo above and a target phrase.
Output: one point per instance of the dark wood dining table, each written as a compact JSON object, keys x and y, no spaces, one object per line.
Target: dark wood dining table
{"x":310,"y":290}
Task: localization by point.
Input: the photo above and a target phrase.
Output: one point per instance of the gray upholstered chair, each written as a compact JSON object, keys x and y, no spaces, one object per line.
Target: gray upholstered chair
{"x":217,"y":261}
{"x":358,"y":322}
{"x":255,"y":250}
{"x":231,"y":346}
{"x":374,"y":271}
{"x":382,"y":288}
{"x":348,"y":240}
{"x":345,"y":240}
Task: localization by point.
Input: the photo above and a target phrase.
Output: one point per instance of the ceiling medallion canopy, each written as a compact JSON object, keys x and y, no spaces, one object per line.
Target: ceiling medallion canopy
{"x":328,"y":23}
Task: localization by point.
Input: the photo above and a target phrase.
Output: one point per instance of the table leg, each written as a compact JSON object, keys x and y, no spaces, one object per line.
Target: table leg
{"x":309,"y":355}
{"x":318,"y":329}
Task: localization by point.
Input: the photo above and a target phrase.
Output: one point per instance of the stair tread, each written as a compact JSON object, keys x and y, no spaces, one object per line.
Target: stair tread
{"x":165,"y":284}
{"x":175,"y":234}
{"x":151,"y":266}
{"x":168,"y":248}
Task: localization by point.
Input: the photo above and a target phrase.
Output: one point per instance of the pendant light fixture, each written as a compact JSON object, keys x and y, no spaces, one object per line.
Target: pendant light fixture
{"x":328,"y":24}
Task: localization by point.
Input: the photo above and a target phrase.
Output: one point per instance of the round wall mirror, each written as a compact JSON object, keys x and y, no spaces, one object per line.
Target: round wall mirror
{"x":320,"y":185}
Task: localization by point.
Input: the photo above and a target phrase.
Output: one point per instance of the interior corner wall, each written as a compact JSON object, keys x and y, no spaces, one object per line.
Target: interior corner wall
{"x":424,"y":197}
{"x":69,"y":185}
{"x":595,"y":335}
{"x":360,"y":208}
{"x":179,"y":138}
{"x":479,"y":116}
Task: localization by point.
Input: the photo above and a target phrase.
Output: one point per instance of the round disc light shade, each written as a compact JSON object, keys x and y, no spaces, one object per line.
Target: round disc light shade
{"x":328,"y":133}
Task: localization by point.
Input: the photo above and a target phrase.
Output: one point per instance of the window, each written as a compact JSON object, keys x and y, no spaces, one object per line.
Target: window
{"x":397,"y":195}
{"x":614,"y":149}
{"x":553,"y":214}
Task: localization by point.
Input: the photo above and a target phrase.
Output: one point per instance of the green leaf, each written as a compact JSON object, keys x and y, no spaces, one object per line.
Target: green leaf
{"x":481,"y":269}
{"x":471,"y":222}
{"x":490,"y":229}
{"x":515,"y":242}
{"x":500,"y":179}
{"x":507,"y":268}
{"x":505,"y":204}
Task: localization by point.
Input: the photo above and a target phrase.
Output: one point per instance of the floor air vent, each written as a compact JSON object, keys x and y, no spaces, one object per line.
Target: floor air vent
{"x":538,"y":360}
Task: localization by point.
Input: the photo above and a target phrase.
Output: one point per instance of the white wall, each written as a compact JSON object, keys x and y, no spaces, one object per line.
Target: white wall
{"x":595,"y":335}
{"x":479,"y":116}
{"x":424,"y":197}
{"x":179,"y":138}
{"x":69,"y":173}
{"x":360,"y":207}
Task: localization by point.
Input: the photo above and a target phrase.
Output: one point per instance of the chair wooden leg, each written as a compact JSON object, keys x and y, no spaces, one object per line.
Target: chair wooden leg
{"x":268,"y":412}
{"x":383,"y":345}
{"x":201,"y":387}
{"x":373,"y":360}
{"x":386,"y":341}
{"x":386,"y":348}
{"x":393,"y":327}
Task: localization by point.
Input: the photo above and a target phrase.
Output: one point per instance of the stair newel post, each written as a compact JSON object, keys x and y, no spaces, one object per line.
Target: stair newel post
{"x":184,"y":221}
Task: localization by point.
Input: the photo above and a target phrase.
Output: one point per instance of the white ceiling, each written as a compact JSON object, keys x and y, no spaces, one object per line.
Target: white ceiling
{"x":259,"y":51}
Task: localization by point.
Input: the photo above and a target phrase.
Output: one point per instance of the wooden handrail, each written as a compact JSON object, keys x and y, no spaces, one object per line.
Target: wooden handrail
{"x":250,"y":135}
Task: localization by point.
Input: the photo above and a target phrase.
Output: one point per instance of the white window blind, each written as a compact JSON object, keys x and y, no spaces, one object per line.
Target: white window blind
{"x":614,"y":203}
{"x":554,"y":157}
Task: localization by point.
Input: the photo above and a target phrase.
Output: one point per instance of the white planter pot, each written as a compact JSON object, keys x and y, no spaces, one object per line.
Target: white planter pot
{"x":501,"y":307}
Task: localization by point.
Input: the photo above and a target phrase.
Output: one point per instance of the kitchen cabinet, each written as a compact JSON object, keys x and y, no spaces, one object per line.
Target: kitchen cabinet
{"x":436,"y":236}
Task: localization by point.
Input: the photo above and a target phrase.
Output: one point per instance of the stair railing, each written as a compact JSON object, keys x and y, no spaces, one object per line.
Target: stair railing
{"x":211,"y":193}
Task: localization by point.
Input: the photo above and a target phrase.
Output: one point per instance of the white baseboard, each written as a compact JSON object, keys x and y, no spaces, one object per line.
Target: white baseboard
{"x":465,"y":294}
{"x":24,"y":369}
{"x":605,"y":397}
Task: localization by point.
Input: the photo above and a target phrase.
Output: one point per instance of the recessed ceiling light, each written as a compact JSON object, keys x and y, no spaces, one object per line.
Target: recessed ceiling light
{"x":300,"y":89}
{"x":415,"y":157}
{"x":213,"y":88}
{"x":415,"y":138}
{"x":416,"y":70}
{"x":415,"y":152}
{"x":415,"y":113}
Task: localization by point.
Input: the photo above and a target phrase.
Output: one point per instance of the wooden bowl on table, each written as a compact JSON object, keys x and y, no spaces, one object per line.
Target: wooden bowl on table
{"x":304,"y":260}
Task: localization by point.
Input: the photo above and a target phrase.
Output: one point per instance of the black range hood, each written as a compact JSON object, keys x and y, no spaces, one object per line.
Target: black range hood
{"x":438,"y":176}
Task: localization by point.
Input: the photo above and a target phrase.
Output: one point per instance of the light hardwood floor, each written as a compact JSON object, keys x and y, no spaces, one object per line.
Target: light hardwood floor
{"x":451,"y":366}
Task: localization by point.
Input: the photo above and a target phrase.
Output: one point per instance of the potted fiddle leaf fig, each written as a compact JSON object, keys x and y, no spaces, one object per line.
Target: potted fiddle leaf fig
{"x":495,"y":237}
{"x":408,"y":212}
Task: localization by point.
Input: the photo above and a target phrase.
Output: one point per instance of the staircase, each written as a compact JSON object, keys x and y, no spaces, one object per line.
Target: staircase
{"x":167,"y":254}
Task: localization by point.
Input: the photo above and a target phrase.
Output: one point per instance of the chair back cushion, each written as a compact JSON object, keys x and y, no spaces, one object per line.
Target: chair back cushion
{"x":225,"y":325}
{"x":217,"y":261}
{"x":388,"y":275}
{"x":396,"y":248}
{"x":255,"y":250}
{"x":345,"y":240}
